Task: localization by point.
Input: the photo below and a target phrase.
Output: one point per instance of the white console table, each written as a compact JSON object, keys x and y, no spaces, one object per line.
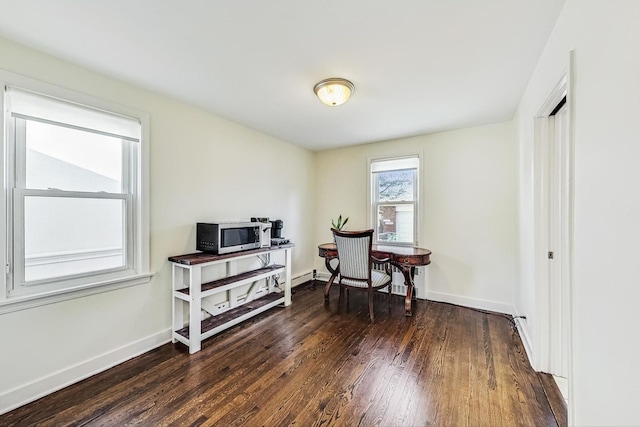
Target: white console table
{"x":189,"y":292}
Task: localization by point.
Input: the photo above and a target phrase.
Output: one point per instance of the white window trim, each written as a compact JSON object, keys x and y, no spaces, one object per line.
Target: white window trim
{"x":140,"y":219}
{"x":372,"y":217}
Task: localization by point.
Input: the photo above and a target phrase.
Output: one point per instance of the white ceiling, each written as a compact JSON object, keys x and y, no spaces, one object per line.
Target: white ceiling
{"x":419,"y":66}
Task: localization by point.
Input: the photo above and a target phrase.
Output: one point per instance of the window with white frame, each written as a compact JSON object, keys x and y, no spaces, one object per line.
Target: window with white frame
{"x":394,"y":196}
{"x":74,"y":199}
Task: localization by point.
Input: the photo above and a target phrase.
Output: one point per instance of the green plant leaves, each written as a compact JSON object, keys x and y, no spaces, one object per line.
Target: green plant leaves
{"x":339,"y":223}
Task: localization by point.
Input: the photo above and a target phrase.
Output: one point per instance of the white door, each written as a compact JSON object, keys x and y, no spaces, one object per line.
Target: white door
{"x":559,"y":237}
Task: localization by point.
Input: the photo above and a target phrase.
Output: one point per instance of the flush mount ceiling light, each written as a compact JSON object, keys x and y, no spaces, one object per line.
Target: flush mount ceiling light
{"x":334,"y":91}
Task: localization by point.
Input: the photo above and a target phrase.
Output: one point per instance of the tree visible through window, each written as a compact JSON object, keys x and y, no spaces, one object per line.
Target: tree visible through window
{"x":394,"y":185}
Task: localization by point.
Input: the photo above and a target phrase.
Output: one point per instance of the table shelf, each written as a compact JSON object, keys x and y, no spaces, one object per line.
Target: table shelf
{"x":190,"y":294}
{"x":225,"y":283}
{"x":219,"y":323}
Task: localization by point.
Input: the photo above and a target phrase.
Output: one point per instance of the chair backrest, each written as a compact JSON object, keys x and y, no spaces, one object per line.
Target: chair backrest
{"x":354,"y":253}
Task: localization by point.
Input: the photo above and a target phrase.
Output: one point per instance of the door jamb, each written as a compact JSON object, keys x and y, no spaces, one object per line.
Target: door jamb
{"x":541,"y":350}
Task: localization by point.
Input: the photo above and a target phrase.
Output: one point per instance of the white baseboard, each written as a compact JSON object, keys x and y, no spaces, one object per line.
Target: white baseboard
{"x":34,"y":390}
{"x":302,"y":278}
{"x":323,"y":276}
{"x":470,"y":302}
{"x":563,"y":386}
{"x":526,"y":340}
{"x":490,"y":306}
{"x":454,"y":299}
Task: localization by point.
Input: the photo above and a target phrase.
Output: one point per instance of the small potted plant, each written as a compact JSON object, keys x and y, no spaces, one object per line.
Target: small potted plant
{"x":339,"y":223}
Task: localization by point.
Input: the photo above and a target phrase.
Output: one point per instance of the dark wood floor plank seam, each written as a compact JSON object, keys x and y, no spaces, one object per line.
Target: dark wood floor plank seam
{"x":400,"y":415}
{"x":340,"y":359}
{"x":331,"y":392}
{"x":388,"y":379}
{"x":213,"y":397}
{"x":266,"y":386}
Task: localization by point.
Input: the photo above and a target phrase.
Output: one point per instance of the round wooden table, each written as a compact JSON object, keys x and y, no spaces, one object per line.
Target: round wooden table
{"x":406,"y":259}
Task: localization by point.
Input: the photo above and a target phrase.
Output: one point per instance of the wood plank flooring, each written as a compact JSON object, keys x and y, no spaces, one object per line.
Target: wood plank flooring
{"x":308,"y":365}
{"x":556,"y":401}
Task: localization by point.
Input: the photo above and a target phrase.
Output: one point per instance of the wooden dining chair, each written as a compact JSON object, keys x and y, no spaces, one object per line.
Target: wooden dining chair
{"x":356,"y":266}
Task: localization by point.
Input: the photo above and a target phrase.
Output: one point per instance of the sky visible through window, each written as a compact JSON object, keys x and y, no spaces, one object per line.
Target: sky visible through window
{"x":97,"y":153}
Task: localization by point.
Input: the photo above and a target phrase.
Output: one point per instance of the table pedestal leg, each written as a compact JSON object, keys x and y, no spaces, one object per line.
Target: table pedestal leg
{"x":334,"y":274}
{"x":408,"y":273}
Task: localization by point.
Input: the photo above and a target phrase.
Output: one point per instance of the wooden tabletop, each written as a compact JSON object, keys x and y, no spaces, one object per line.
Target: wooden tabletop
{"x":406,"y":255}
{"x":202,"y":257}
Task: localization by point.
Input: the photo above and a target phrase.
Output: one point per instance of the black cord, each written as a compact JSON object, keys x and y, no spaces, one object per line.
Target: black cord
{"x":512,"y":319}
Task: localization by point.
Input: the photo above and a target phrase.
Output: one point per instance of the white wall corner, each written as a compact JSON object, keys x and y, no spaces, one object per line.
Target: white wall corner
{"x":34,"y":390}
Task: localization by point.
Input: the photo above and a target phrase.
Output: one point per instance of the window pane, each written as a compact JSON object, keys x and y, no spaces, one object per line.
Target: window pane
{"x":395,"y":223}
{"x":72,"y":160}
{"x":66,"y":236}
{"x":395,"y":186}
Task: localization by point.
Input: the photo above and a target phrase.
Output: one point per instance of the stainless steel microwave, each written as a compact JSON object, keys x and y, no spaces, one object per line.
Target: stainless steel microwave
{"x":227,"y":237}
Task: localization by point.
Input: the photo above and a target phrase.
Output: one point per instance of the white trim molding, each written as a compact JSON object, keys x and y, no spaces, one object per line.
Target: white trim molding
{"x":15,"y":292}
{"x":524,"y":336}
{"x":48,"y":384}
{"x":302,"y":278}
{"x":480,"y":304}
{"x":30,"y":301}
{"x":547,"y":310}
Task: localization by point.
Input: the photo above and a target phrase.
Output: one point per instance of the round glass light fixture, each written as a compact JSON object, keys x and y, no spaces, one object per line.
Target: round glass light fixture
{"x":334,"y":91}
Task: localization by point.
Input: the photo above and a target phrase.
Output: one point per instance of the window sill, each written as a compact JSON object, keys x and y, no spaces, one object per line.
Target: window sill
{"x":12,"y":304}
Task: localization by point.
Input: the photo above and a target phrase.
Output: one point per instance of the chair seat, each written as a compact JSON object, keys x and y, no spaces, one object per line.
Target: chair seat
{"x":378,"y":279}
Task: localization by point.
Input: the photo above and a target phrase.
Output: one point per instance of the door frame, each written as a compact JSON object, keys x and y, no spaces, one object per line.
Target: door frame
{"x":545,"y":310}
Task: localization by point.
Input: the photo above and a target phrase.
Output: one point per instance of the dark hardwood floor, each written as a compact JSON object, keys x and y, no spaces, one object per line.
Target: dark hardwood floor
{"x":556,"y":401}
{"x":307,"y":365}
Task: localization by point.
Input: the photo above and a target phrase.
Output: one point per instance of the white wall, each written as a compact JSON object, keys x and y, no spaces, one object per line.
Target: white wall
{"x":469,"y":205}
{"x":202,"y":168}
{"x":605,"y":379}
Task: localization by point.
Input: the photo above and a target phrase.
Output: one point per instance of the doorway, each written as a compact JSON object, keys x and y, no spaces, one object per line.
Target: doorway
{"x":553,"y":166}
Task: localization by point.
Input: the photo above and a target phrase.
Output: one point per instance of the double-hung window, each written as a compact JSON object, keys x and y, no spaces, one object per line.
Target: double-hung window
{"x":74,"y":194}
{"x":394,"y":196}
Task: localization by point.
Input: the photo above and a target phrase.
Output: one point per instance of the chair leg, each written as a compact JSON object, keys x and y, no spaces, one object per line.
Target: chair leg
{"x":371,"y":305}
{"x":340,"y":299}
{"x":389,"y":288}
